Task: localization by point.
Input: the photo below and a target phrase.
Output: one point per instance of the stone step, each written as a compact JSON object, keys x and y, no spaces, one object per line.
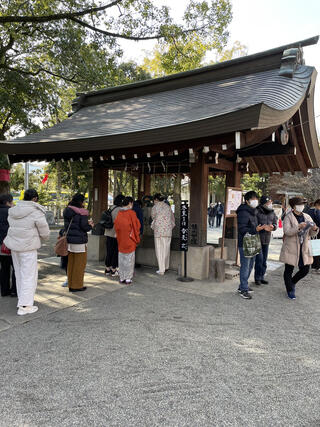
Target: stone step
{"x":232,"y":274}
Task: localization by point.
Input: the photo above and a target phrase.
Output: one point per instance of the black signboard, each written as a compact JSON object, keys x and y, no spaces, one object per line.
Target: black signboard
{"x":184,"y":224}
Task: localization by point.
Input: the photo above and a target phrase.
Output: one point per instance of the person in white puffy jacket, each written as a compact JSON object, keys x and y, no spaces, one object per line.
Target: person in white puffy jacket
{"x":27,"y":226}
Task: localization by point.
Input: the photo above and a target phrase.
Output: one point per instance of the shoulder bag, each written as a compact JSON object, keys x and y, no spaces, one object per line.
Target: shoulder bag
{"x":61,"y":246}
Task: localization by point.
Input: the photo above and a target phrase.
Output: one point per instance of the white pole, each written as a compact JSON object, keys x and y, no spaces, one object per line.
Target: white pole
{"x":26,"y":176}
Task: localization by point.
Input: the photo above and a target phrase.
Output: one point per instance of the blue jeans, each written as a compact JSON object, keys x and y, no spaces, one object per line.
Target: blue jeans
{"x":261,"y":263}
{"x":246,"y":266}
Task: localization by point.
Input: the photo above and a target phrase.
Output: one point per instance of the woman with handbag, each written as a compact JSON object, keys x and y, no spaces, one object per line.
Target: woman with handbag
{"x":77,"y":226}
{"x":27,"y":227}
{"x":7,"y":270}
{"x":298,"y":227}
{"x":127,"y":227}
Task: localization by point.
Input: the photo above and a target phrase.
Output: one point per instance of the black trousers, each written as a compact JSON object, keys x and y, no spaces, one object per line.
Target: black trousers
{"x":5,"y":272}
{"x":219,"y":220}
{"x":112,"y":252}
{"x":316,"y":262}
{"x":290,"y":281}
{"x":211,"y":221}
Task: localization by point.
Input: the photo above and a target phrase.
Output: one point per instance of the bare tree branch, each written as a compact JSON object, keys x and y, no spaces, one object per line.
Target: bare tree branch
{"x":108,"y":33}
{"x":41,"y":70}
{"x":57,"y":16}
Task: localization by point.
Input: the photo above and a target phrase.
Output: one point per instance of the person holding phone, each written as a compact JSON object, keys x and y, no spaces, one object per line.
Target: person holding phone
{"x":76,"y":216}
{"x":298,"y":227}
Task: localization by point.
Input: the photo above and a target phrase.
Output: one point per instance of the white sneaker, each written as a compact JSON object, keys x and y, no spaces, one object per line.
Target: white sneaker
{"x":29,"y":309}
{"x":160,"y":272}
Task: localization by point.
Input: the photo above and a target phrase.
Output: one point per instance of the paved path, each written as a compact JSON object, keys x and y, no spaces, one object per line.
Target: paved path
{"x":161,"y":353}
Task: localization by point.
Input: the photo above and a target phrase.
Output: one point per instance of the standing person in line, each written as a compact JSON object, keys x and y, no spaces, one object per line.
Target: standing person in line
{"x":268,"y":218}
{"x":211,"y":214}
{"x":127,"y":228}
{"x":137,"y":207}
{"x":316,"y":220}
{"x":76,"y":217}
{"x":247,"y":223}
{"x":7,"y":270}
{"x":112,"y":253}
{"x":219,"y":213}
{"x":27,"y":226}
{"x":162,"y":225}
{"x":297,"y":229}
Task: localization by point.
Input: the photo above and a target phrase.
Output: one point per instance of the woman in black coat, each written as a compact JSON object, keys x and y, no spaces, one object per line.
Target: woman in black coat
{"x":6,"y":202}
{"x":77,"y":225}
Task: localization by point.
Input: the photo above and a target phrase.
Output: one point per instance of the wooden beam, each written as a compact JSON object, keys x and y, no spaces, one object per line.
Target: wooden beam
{"x":299,"y":156}
{"x":267,"y":149}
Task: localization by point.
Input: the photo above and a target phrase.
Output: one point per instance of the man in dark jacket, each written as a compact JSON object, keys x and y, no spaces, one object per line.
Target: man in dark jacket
{"x":212,"y":209}
{"x":219,"y":213}
{"x":6,"y":202}
{"x":247,"y":223}
{"x":268,"y":218}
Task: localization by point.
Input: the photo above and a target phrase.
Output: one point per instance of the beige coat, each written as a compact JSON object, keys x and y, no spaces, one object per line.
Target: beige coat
{"x":290,"y":250}
{"x":27,"y":226}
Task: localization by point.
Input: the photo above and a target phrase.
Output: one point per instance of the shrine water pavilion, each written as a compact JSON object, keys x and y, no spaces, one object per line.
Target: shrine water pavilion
{"x":253,"y":114}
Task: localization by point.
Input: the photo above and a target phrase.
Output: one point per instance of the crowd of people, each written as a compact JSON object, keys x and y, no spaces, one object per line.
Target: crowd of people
{"x":300,"y":224}
{"x":24,"y":226}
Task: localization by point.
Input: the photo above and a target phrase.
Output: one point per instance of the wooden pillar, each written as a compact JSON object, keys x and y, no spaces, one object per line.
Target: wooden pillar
{"x":144,"y":185}
{"x":100,"y":192}
{"x":198,"y":202}
{"x":233,"y":179}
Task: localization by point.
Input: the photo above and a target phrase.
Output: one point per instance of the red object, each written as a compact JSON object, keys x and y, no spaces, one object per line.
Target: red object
{"x":280,"y":223}
{"x":127,"y":227}
{"x":4,"y":175}
{"x":45,"y":178}
{"x":5,"y":250}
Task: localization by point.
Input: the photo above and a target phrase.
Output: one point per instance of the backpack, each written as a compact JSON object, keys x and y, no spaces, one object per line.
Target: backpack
{"x":106,"y":219}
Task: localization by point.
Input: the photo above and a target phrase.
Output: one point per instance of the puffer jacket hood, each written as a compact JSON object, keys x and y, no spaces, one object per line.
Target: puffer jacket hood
{"x":24,"y":208}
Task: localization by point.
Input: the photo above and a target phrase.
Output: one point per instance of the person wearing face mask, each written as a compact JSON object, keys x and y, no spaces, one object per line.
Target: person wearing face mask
{"x":247,"y":223}
{"x":268,"y":218}
{"x":298,"y":227}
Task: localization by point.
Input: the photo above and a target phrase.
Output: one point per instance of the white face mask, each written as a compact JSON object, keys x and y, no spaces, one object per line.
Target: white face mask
{"x":269,"y":207}
{"x":254,"y":203}
{"x":299,"y":208}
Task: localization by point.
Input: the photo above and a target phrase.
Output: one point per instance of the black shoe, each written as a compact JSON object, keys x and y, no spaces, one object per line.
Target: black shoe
{"x":264,"y":282}
{"x":250,"y":291}
{"x":78,"y":290}
{"x":258,"y":282}
{"x":14,"y":294}
{"x":245,"y":295}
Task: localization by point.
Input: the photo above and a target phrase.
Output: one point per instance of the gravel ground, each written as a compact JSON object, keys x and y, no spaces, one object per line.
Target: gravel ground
{"x":165,"y":353}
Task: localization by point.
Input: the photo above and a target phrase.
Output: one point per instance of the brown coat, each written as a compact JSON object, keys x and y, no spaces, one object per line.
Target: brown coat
{"x":290,"y":250}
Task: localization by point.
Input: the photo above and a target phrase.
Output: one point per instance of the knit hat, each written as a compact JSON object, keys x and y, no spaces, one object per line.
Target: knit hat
{"x":264,"y":200}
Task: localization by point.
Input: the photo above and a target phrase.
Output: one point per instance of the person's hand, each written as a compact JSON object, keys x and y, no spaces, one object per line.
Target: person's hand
{"x":268,"y":227}
{"x":302,"y":225}
{"x":90,"y":222}
{"x":314,"y":228}
{"x":260,"y":227}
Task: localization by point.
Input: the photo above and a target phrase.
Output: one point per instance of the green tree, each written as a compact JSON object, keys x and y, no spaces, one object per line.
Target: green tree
{"x":49,"y":49}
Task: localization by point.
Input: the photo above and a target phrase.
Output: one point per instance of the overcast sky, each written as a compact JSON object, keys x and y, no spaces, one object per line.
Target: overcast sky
{"x":260,"y":25}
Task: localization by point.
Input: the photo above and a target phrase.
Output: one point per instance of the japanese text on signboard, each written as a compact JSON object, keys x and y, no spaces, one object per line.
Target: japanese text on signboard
{"x":184,"y":212}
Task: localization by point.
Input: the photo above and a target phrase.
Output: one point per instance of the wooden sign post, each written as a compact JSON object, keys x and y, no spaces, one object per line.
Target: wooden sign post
{"x":233,"y":201}
{"x":184,"y":233}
